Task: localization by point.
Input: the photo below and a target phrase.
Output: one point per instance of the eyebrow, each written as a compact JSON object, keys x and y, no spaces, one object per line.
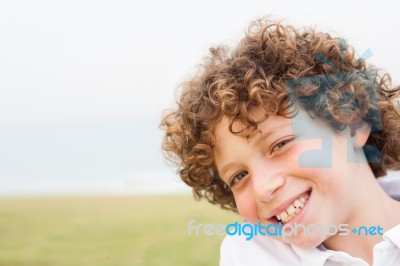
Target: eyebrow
{"x":257,"y":142}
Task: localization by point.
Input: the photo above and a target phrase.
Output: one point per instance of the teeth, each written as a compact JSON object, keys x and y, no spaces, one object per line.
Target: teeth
{"x":292,"y":210}
{"x":284,"y":216}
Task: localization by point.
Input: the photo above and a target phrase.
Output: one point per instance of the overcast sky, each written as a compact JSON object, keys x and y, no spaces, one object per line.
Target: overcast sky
{"x":83,"y":83}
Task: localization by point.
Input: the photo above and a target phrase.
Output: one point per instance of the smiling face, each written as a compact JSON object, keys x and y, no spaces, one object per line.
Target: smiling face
{"x":296,"y":171}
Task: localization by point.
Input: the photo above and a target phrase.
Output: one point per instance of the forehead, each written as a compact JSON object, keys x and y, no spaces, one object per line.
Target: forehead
{"x":233,"y":149}
{"x":227,"y":141}
{"x":301,"y":125}
{"x":221,"y":129}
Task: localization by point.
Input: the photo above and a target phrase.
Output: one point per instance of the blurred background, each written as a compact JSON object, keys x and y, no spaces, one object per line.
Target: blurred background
{"x":83,"y":85}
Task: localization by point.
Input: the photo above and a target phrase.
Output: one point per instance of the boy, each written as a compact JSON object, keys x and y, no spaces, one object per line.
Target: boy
{"x":290,"y":129}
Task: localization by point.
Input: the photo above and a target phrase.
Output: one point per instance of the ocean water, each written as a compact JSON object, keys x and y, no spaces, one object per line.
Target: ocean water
{"x":152,"y":183}
{"x":148,"y":183}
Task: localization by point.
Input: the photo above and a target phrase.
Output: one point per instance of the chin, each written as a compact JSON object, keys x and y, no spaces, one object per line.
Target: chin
{"x":305,"y":242}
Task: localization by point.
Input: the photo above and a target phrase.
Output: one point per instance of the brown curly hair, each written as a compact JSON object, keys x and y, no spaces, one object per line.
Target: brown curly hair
{"x":273,"y":67}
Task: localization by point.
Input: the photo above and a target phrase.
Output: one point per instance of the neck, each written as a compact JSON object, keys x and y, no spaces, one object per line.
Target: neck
{"x":380,"y":212}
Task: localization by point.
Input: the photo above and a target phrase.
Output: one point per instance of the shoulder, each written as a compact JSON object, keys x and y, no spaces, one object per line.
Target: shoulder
{"x":236,"y":250}
{"x":391,"y":184}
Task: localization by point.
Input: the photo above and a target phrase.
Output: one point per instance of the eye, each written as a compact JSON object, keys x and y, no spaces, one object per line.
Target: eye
{"x":280,"y":144}
{"x":237,"y":178}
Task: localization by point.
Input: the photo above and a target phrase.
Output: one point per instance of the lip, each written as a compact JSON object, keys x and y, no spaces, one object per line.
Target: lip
{"x":286,"y":204}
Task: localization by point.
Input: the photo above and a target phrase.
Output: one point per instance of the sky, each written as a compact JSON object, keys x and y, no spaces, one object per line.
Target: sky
{"x":83,"y":84}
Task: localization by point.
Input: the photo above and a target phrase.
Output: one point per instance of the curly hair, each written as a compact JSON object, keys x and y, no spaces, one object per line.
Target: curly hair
{"x":273,"y":67}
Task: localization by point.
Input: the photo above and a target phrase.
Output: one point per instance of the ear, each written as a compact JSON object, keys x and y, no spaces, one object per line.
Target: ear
{"x":359,"y":134}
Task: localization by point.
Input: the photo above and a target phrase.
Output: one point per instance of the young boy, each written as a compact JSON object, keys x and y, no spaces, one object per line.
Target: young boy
{"x":290,"y":129}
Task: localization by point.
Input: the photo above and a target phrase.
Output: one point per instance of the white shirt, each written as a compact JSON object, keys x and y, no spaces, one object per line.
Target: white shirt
{"x":262,"y":250}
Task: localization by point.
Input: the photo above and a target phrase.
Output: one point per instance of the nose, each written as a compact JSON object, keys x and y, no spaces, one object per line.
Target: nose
{"x":266,"y":183}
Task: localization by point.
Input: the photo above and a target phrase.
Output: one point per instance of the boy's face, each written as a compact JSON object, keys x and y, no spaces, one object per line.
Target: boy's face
{"x":292,"y":159}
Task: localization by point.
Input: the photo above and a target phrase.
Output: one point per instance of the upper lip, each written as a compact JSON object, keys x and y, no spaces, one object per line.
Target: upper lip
{"x":285,"y":205}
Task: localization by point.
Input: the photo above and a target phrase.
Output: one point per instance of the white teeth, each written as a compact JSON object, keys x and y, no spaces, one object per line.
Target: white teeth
{"x":284,"y":215}
{"x":292,"y":210}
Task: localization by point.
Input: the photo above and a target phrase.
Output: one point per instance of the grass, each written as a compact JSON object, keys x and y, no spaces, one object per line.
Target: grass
{"x":136,"y":230}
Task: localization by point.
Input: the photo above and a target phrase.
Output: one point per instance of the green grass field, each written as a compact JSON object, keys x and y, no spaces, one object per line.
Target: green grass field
{"x":135,"y":230}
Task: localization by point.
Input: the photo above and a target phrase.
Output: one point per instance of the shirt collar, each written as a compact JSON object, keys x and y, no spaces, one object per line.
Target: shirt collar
{"x":393,"y":235}
{"x":312,"y":257}
{"x":318,"y":256}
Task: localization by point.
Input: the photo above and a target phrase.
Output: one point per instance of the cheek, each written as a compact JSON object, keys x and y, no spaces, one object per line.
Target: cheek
{"x":326,"y":186}
{"x":305,"y":241}
{"x":246,"y":206}
{"x":329,"y":182}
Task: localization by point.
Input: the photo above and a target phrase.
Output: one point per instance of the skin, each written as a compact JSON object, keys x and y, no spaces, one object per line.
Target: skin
{"x":292,"y":156}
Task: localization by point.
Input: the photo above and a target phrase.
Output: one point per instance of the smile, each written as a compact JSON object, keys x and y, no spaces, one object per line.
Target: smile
{"x":290,"y":209}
